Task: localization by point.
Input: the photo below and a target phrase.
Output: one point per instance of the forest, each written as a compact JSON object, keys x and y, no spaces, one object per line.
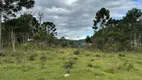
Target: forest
{"x":31,"y":50}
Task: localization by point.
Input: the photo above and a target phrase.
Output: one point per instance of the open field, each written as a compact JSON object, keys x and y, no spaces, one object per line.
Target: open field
{"x":81,"y":64}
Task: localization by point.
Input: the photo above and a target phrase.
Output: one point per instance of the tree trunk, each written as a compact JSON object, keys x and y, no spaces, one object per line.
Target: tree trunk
{"x":135,"y":40}
{"x":0,"y":32}
{"x":13,"y":40}
{"x":135,"y":37}
{"x":131,"y":37}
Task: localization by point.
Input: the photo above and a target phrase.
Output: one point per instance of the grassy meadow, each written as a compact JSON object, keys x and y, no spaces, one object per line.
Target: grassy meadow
{"x":81,"y":64}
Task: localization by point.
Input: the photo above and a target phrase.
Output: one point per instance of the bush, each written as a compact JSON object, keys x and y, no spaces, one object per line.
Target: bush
{"x":97,"y":55}
{"x":87,"y":54}
{"x":9,"y":60}
{"x":91,"y":59}
{"x":26,"y":67}
{"x":70,"y":62}
{"x":89,"y":65}
{"x":126,"y":66}
{"x":2,"y":53}
{"x":112,"y":47}
{"x":68,"y":65}
{"x":77,"y":52}
{"x":43,"y":58}
{"x":32,"y":57}
{"x":111,"y":70}
{"x":121,"y":55}
{"x":19,"y":57}
{"x":130,"y":67}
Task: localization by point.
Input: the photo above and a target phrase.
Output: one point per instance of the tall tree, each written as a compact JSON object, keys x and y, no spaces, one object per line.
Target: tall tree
{"x":10,"y":7}
{"x":88,"y":39}
{"x":132,"y":18}
{"x":49,"y":27}
{"x":102,"y":16}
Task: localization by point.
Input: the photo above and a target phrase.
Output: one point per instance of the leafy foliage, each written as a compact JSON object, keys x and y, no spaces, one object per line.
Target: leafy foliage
{"x":118,"y":35}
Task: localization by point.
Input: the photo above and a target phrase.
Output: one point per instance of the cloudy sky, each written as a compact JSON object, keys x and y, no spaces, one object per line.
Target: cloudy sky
{"x":74,"y":18}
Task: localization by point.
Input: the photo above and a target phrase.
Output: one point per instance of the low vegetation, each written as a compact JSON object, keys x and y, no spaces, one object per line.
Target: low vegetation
{"x":54,"y":63}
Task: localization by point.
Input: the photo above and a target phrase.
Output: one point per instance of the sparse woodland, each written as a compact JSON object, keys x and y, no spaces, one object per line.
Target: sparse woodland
{"x":30,"y":49}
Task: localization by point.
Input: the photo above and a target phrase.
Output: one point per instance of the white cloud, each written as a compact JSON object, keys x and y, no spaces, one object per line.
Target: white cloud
{"x":73,"y":18}
{"x":54,"y":10}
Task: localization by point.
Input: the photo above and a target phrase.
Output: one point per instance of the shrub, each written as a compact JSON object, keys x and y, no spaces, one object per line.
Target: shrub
{"x":87,"y":54}
{"x":130,"y":66}
{"x":97,"y":55}
{"x":32,"y":57}
{"x":74,"y":57}
{"x":89,"y":65}
{"x":43,"y":58}
{"x":91,"y":59}
{"x":112,"y":47}
{"x":97,"y":66}
{"x":19,"y":57}
{"x":62,"y":58}
{"x":2,"y":53}
{"x":62,"y":52}
{"x":121,"y":55}
{"x":126,"y":66}
{"x":25,"y":68}
{"x":111,"y":70}
{"x":9,"y":60}
{"x":68,"y":65}
{"x":77,"y":52}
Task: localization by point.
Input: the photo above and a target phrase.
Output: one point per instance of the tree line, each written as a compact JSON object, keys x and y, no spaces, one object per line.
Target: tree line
{"x":109,"y":34}
{"x":26,"y":28}
{"x":117,"y":35}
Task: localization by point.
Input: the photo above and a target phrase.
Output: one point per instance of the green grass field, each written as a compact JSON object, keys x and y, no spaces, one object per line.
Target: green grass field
{"x":54,"y":63}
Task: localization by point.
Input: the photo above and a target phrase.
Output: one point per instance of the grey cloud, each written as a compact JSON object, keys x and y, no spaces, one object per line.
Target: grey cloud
{"x":77,"y":18}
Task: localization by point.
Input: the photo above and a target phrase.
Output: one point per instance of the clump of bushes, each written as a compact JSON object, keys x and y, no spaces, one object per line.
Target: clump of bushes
{"x":62,"y":57}
{"x":112,"y":47}
{"x":74,"y":57}
{"x":121,"y":55}
{"x":99,"y":74}
{"x":2,"y":53}
{"x":126,"y":66}
{"x":61,"y":51}
{"x":26,"y":67}
{"x":69,"y":63}
{"x":87,"y":54}
{"x":9,"y":60}
{"x":43,"y":58}
{"x":19,"y":57}
{"x":90,"y":65}
{"x":32,"y":57}
{"x":92,"y":59}
{"x":97,"y":55}
{"x":76,"y":52}
{"x":111,"y":70}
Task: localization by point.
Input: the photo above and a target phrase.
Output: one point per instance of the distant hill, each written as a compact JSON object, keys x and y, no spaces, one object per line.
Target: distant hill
{"x":79,"y":43}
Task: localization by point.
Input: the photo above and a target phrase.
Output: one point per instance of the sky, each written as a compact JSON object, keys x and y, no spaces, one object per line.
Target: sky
{"x":74,"y":18}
